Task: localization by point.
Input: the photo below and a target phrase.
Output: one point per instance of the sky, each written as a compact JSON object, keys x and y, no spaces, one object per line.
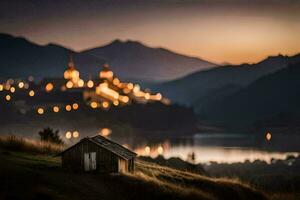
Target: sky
{"x":231,"y":31}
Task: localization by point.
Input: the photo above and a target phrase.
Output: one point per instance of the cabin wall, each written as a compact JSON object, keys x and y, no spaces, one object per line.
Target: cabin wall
{"x":74,"y":158}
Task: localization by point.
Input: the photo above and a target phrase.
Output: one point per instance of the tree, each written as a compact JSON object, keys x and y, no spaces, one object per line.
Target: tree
{"x":49,"y":135}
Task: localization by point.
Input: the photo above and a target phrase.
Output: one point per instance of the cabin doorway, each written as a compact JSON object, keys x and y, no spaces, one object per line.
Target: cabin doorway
{"x":90,"y":161}
{"x":122,"y":166}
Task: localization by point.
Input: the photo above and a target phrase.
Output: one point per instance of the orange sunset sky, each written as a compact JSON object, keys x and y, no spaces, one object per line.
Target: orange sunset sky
{"x":233,"y":31}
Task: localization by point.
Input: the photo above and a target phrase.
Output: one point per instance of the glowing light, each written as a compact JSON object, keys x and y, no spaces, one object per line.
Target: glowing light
{"x":268,"y":136}
{"x":72,"y":74}
{"x":139,"y":94}
{"x":158,"y":96}
{"x":124,"y":99}
{"x":147,"y":96}
{"x":8,"y":97}
{"x":68,"y":108}
{"x":40,"y":111}
{"x":160,"y":150}
{"x":105,"y":104}
{"x":105,"y":132}
{"x":116,"y":81}
{"x":31,"y":93}
{"x":147,"y":150}
{"x":80,"y":83}
{"x":21,"y":85}
{"x":75,"y":106}
{"x":75,"y":134}
{"x":1,"y":87}
{"x":103,"y":90}
{"x":126,"y":90}
{"x":12,"y":89}
{"x":49,"y":87}
{"x":55,"y":109}
{"x":106,"y":75}
{"x":68,"y":135}
{"x":136,"y":88}
{"x":116,"y":102}
{"x":94,"y":104}
{"x":90,"y":84}
{"x":130,"y":86}
{"x":69,"y":84}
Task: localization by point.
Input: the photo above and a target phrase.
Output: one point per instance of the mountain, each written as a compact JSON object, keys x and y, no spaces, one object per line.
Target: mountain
{"x":131,"y":59}
{"x":274,"y":97}
{"x":21,"y":58}
{"x":200,"y":88}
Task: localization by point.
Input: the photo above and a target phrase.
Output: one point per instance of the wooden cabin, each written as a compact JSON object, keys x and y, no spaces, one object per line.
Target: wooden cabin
{"x":98,"y":154}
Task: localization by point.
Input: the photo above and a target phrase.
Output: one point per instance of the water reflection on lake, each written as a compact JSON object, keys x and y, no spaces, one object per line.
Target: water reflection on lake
{"x":225,"y":148}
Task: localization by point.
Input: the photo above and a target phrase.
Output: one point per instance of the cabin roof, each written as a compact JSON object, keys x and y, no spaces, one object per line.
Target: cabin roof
{"x":113,"y":147}
{"x":110,"y":145}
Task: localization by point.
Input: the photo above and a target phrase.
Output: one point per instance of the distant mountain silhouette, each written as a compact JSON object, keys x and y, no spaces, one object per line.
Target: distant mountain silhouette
{"x":270,"y":97}
{"x":131,"y":59}
{"x":21,"y":58}
{"x":200,"y":88}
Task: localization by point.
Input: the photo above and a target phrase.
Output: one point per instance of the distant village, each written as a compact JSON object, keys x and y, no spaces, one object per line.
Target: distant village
{"x":104,"y":92}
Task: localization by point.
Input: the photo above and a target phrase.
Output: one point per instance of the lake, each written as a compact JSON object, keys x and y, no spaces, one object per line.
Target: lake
{"x":224,"y":148}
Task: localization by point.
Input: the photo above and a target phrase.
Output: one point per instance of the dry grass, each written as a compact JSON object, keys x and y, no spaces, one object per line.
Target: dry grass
{"x":185,"y":182}
{"x":16,"y":143}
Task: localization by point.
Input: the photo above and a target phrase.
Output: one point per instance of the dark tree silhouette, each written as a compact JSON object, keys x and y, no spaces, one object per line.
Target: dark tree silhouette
{"x":49,"y":135}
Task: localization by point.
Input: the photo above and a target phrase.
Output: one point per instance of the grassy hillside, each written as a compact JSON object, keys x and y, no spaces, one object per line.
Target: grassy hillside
{"x":39,"y":176}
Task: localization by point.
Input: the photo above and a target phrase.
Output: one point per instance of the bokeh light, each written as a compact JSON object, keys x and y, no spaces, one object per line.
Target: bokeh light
{"x":21,"y":85}
{"x":69,"y":84}
{"x":8,"y":97}
{"x":12,"y":89}
{"x":49,"y":87}
{"x":68,"y":107}
{"x":268,"y":136}
{"x":55,"y":109}
{"x":68,"y":135}
{"x":75,"y":134}
{"x":105,"y":104}
{"x":75,"y":106}
{"x":40,"y":111}
{"x":160,"y":150}
{"x":147,"y":150}
{"x":105,"y":132}
{"x":31,"y":93}
{"x":94,"y":104}
{"x":90,"y":84}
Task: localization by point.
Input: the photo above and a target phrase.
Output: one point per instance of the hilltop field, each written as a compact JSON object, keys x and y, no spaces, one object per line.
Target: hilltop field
{"x":31,"y":173}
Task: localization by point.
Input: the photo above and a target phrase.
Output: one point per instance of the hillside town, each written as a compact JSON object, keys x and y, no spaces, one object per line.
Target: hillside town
{"x":103,"y":93}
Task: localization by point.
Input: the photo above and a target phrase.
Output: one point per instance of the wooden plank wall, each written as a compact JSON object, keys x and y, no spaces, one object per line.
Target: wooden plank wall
{"x":74,"y":157}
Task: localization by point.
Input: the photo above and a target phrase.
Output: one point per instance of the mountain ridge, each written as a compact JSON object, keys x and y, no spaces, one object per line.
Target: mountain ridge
{"x":130,"y":60}
{"x":268,"y":98}
{"x":124,"y":53}
{"x":195,"y":86}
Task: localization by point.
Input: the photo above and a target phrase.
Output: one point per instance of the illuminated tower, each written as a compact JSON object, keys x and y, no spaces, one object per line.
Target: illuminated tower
{"x":72,"y":75}
{"x":106,"y":73}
